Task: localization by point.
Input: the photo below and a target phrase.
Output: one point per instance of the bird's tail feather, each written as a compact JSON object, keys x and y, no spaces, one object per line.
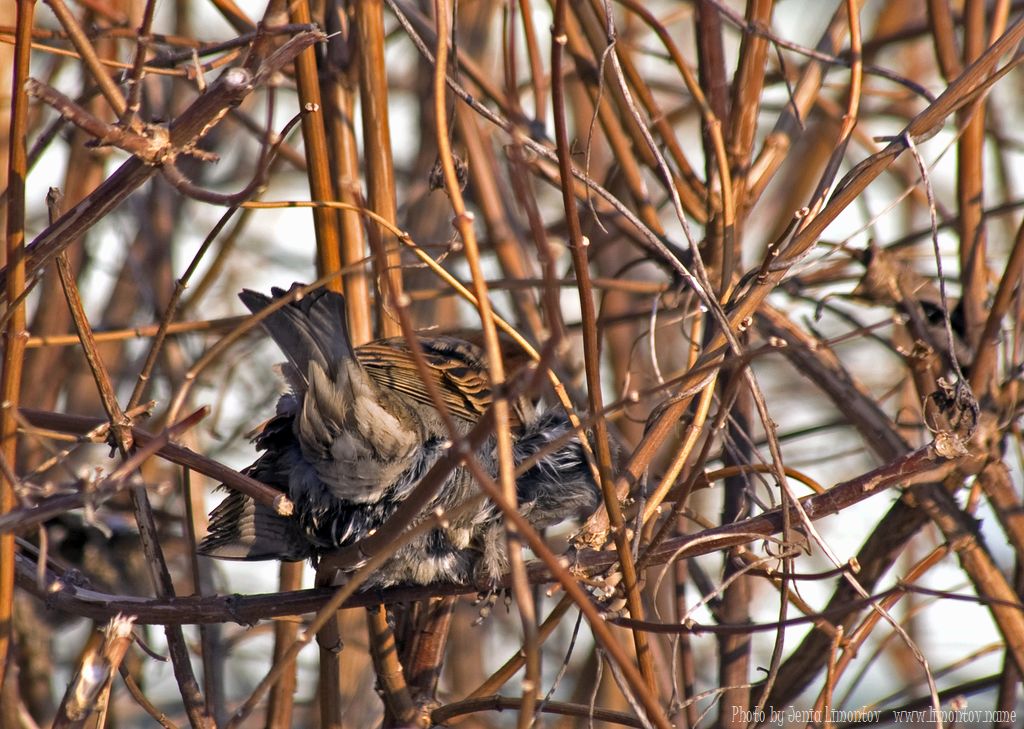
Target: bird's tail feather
{"x":244,"y":530}
{"x":310,"y":329}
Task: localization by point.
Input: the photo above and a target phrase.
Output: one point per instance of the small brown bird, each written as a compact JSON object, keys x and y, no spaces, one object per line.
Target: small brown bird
{"x":358,"y":431}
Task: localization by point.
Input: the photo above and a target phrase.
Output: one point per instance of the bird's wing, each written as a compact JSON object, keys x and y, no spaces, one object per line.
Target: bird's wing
{"x":455,"y":365}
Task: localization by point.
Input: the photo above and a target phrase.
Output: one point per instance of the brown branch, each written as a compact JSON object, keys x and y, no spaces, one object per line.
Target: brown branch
{"x":28,"y":517}
{"x":14,"y":333}
{"x":915,"y":467}
{"x":89,"y":691}
{"x":591,"y":348}
{"x":183,"y":133}
{"x":390,"y":672}
{"x":502,"y":703}
{"x":81,"y":425}
{"x":368,"y":21}
{"x":152,"y":148}
{"x":89,"y":56}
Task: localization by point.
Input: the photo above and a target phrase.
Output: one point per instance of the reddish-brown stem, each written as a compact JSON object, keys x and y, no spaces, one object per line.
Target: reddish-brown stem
{"x":14,"y":333}
{"x":591,"y":349}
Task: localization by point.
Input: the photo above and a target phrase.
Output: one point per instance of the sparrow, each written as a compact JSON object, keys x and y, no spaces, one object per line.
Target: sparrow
{"x":356,"y":432}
